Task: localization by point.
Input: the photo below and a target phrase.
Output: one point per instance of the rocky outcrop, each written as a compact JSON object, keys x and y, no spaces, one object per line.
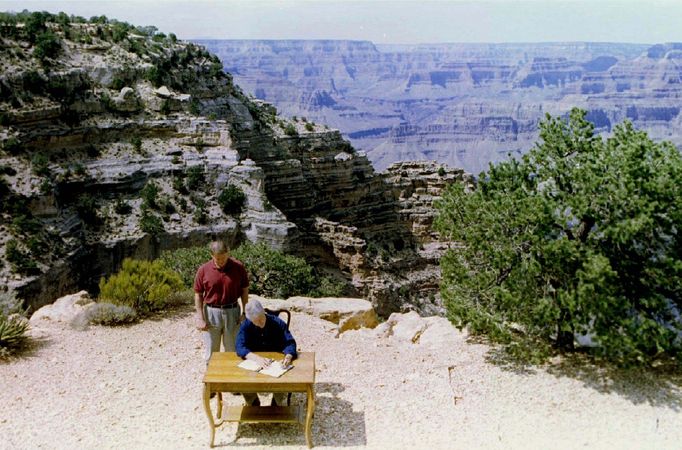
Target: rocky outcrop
{"x":461,"y":104}
{"x":123,"y":149}
{"x":347,"y":313}
{"x":63,"y":310}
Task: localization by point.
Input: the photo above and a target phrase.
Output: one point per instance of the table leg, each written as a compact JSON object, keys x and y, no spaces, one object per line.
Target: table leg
{"x":219,"y":414}
{"x":209,"y":414}
{"x":309,"y":417}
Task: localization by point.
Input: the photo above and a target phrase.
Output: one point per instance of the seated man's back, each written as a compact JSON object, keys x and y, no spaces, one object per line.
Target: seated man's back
{"x":262,"y":332}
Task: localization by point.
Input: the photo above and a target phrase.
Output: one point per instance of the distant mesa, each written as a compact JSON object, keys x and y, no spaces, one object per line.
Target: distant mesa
{"x":463,"y":104}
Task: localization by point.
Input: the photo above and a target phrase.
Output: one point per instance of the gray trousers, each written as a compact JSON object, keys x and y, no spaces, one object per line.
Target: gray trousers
{"x":222,"y":323}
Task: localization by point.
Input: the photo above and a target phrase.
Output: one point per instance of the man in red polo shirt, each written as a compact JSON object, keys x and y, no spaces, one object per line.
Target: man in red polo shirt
{"x":218,"y":285}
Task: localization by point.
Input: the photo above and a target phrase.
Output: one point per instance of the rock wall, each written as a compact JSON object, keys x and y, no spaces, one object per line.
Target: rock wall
{"x":124,"y":149}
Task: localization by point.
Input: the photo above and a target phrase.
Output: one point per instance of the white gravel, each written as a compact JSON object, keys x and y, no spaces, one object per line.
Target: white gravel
{"x":140,"y":387}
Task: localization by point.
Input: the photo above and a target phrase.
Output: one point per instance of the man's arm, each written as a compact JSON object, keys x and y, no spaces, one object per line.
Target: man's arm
{"x":243,"y":350}
{"x":289,"y":344}
{"x":245,"y":300}
{"x":199,"y":316}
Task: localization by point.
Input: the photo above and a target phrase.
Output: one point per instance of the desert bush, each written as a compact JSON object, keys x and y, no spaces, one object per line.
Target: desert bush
{"x":195,"y":178}
{"x":12,"y":146}
{"x":25,"y":224}
{"x":142,"y":285}
{"x":185,"y":262}
{"x":19,"y":260}
{"x":179,"y":185}
{"x":122,"y":207}
{"x":195,"y":107}
{"x":151,"y":223}
{"x":271,"y":272}
{"x":290,"y":130}
{"x":232,"y":200}
{"x":47,"y":46}
{"x":328,"y":287}
{"x":181,"y":298}
{"x":150,"y":195}
{"x":104,"y":313}
{"x":40,"y":165}
{"x":309,"y":127}
{"x":165,"y":107}
{"x":136,"y":142}
{"x":200,"y":216}
{"x":118,"y":83}
{"x":12,"y":334}
{"x":86,"y":206}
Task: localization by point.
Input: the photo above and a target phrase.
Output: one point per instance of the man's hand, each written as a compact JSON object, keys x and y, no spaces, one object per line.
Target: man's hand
{"x":263,"y":362}
{"x":242,"y":317}
{"x":200,"y":324}
{"x":286,"y":361}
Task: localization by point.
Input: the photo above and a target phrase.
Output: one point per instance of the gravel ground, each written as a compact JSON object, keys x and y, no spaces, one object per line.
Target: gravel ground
{"x":140,"y":387}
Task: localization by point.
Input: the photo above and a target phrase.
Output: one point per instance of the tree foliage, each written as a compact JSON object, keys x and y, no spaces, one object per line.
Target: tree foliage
{"x":580,"y":237}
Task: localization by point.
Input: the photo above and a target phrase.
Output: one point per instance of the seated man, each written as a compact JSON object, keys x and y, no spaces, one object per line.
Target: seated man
{"x":262,"y":332}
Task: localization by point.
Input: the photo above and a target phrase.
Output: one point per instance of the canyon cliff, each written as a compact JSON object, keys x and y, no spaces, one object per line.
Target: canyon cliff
{"x":461,"y":104}
{"x":120,"y":142}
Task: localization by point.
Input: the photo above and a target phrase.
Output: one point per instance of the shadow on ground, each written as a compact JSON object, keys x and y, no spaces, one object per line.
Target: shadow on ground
{"x":335,"y":424}
{"x":29,"y":349}
{"x":657,"y":386}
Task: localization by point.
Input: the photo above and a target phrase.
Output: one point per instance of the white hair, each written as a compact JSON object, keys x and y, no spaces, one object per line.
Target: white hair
{"x":254,"y":309}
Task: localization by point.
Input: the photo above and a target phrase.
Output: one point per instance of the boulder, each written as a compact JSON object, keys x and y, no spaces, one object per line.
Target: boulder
{"x":127,"y":100}
{"x":163,"y":92}
{"x":63,"y":309}
{"x":427,"y":331}
{"x":439,"y":330}
{"x":347,"y":313}
{"x":405,"y":327}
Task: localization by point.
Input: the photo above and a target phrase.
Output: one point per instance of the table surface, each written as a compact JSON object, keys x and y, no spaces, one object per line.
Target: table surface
{"x":222,"y":369}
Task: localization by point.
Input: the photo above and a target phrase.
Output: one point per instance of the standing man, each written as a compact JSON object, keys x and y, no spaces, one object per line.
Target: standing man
{"x":218,"y":285}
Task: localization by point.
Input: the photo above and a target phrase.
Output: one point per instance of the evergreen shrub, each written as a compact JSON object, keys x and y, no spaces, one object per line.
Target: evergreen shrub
{"x":232,"y":200}
{"x":272,"y":273}
{"x":142,"y":285}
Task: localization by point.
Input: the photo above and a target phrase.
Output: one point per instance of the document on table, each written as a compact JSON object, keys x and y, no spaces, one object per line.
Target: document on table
{"x":274,"y":370}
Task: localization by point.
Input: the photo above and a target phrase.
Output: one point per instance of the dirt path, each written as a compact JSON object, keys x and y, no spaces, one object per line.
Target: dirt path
{"x":139,"y":387}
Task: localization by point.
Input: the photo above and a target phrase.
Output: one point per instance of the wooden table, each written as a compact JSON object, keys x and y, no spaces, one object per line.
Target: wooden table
{"x":223,"y":375}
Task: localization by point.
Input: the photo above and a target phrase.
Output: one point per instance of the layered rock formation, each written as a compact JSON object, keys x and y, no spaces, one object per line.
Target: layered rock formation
{"x":461,"y":104}
{"x":124,"y":142}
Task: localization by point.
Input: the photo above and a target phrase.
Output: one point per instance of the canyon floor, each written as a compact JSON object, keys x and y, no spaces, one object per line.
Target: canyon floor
{"x":139,"y":387}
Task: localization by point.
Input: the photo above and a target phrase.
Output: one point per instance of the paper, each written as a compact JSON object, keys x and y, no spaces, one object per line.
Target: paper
{"x":274,"y":370}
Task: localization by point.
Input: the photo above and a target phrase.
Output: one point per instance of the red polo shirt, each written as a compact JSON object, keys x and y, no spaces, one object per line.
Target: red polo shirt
{"x":221,"y":286}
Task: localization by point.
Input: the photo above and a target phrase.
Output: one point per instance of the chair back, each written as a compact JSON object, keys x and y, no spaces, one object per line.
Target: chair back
{"x":277,"y":312}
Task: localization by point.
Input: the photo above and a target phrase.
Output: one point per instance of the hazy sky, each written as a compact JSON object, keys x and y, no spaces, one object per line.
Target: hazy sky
{"x":390,"y":21}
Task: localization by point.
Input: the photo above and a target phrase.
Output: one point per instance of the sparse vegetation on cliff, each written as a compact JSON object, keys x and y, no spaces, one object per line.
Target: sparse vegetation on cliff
{"x":232,"y":200}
